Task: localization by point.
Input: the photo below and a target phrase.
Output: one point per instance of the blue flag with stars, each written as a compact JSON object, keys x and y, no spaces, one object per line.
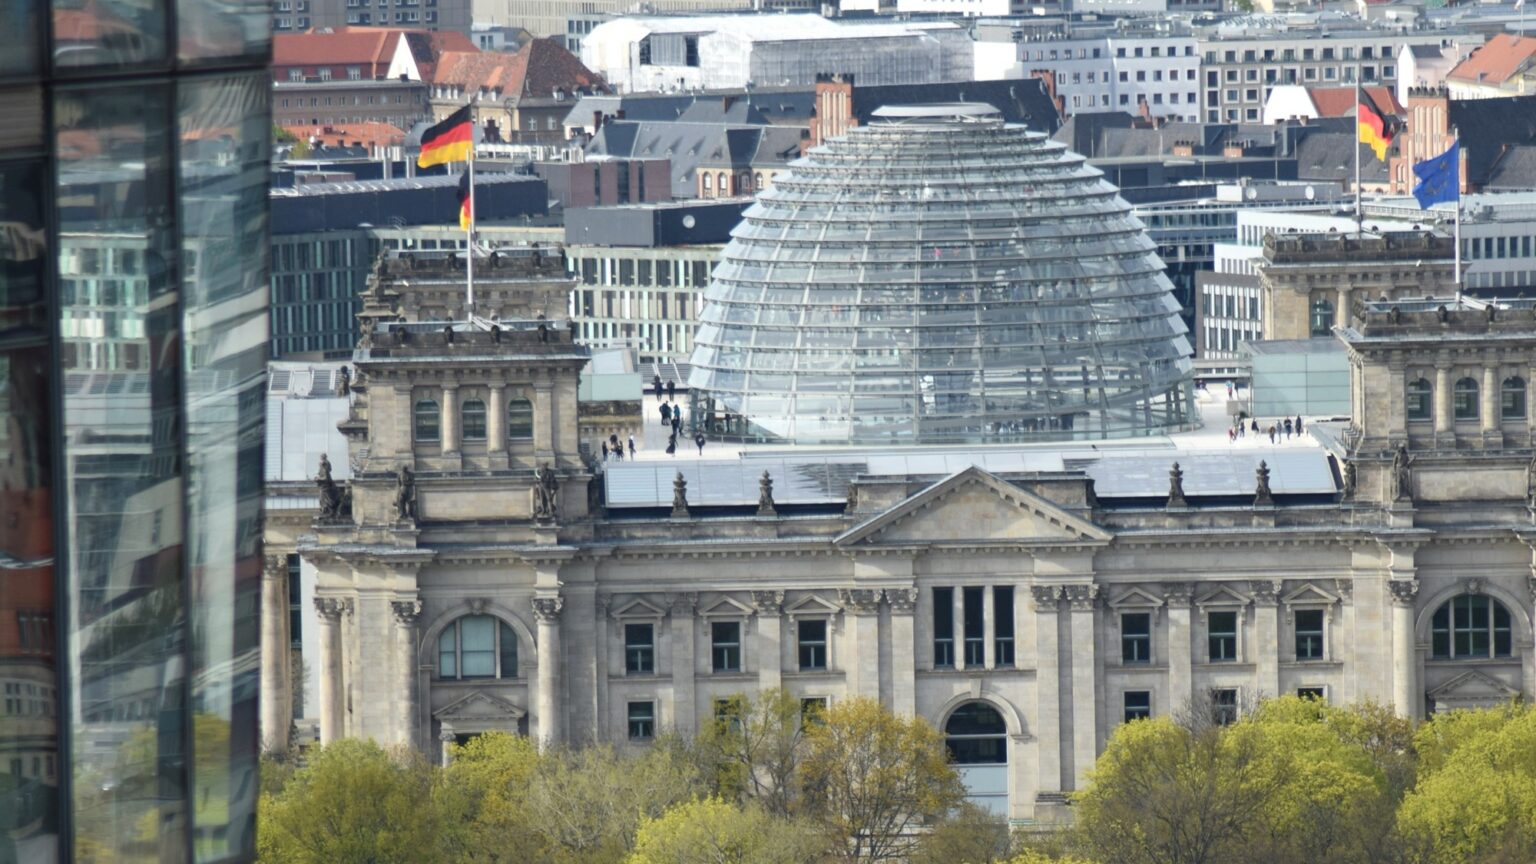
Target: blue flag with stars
{"x":1439,"y":178}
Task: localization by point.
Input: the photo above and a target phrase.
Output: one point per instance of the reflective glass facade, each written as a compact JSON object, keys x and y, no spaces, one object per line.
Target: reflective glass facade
{"x":939,"y":276}
{"x":133,"y":339}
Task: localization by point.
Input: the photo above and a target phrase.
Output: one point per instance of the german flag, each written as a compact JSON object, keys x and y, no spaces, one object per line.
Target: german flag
{"x":1376,"y":129}
{"x":466,"y":202}
{"x":448,"y":141}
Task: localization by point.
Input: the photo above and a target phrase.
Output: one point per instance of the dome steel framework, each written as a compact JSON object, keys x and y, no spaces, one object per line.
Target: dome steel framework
{"x":939,"y":276}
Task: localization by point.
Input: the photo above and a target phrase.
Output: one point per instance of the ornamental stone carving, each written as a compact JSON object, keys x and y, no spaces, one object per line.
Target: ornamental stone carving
{"x":1404,"y":591}
{"x":685,"y":604}
{"x":1261,"y":493}
{"x":332,"y":608}
{"x":679,"y":497}
{"x":862,"y":601}
{"x":765,"y":496}
{"x":406,"y":611}
{"x":1402,"y":474}
{"x":547,"y":609}
{"x":477,"y":605}
{"x":1266,"y":592}
{"x":1474,"y":586}
{"x":902,"y":600}
{"x":768,"y":602}
{"x":1179,"y":593}
{"x":1047,"y":597}
{"x":1176,"y":487}
{"x":274,"y":566}
{"x":1081,"y":597}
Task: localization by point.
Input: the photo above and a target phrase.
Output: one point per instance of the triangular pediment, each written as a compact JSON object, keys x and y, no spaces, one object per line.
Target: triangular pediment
{"x":1473,"y":689}
{"x":976,"y":508}
{"x":811,"y":606}
{"x":1135,"y":597}
{"x":1224,"y":595}
{"x":638,"y":608}
{"x":1309,"y":595}
{"x":726,"y":607}
{"x":479,"y":705}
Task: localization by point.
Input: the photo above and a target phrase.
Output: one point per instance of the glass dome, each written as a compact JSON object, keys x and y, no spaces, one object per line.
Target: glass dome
{"x":939,"y":276}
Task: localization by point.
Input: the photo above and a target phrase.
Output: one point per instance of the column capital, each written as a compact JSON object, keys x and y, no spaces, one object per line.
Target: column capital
{"x":685,"y":603}
{"x":1047,"y":597}
{"x":1178,"y":593}
{"x":332,"y":608}
{"x":1266,"y":592}
{"x":902,"y":600}
{"x":547,"y":609}
{"x":406,"y":611}
{"x":861,"y":601}
{"x":274,"y":566}
{"x":1404,"y":591}
{"x":768,"y":602}
{"x":1082,"y":598}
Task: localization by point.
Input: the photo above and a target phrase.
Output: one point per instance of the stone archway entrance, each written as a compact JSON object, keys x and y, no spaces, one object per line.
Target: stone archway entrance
{"x":477,"y":712}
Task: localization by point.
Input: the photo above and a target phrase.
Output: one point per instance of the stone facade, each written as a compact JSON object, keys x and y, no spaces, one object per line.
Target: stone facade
{"x":1061,"y":612}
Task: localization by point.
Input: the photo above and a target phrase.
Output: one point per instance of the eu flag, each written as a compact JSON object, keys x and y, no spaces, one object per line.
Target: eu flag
{"x":1439,"y":178}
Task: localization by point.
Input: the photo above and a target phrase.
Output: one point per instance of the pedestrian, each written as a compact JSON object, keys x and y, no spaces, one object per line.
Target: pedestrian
{"x":1287,"y":428}
{"x":605,"y":451}
{"x":671,"y":389}
{"x":1298,"y":424}
{"x":672,"y":446}
{"x":1231,"y":435}
{"x":1271,"y":433}
{"x":631,"y":446}
{"x":656,"y":382}
{"x":1255,"y":425}
{"x":698,"y":438}
{"x":677,"y":422}
{"x":1242,"y":428}
{"x":666,"y":414}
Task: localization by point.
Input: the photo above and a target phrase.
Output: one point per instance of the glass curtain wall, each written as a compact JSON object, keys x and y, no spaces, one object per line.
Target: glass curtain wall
{"x":133,"y":333}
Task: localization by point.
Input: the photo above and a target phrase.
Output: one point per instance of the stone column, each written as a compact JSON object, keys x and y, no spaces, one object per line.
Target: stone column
{"x":406,"y":614}
{"x":544,"y":420}
{"x":1048,"y":687}
{"x":329,"y":611}
{"x":1397,"y":410}
{"x":684,"y":667}
{"x":445,"y":740}
{"x":496,"y":423}
{"x":1181,"y":678}
{"x":1266,"y":636}
{"x":1341,"y":314}
{"x":1444,"y":422}
{"x":988,"y":629}
{"x":1405,"y":661}
{"x":1085,"y":699}
{"x":862,"y":625}
{"x":903,"y":650}
{"x":1490,"y":394}
{"x":450,"y":430}
{"x":957,"y":619}
{"x":276,"y":688}
{"x":770,"y":647}
{"x":546,"y":612}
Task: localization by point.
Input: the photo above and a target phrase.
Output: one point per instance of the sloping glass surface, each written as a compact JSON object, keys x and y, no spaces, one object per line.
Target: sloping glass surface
{"x":936,"y":277}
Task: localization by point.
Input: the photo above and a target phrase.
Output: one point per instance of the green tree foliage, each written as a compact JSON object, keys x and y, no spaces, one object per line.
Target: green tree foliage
{"x":715,"y":831}
{"x":482,"y":797}
{"x":352,"y":804}
{"x":756,"y":748}
{"x":872,"y":778}
{"x":1476,"y":800}
{"x":971,"y":836}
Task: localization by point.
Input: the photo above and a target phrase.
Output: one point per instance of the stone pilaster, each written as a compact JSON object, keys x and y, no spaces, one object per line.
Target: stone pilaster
{"x":450,"y":426}
{"x":862,"y":625}
{"x":496,"y":421}
{"x":276,"y":686}
{"x":328,"y":615}
{"x":685,"y":709}
{"x":988,"y":629}
{"x":546,"y":613}
{"x":1405,"y":661}
{"x":1181,"y":649}
{"x":406,"y":613}
{"x":1082,"y":599}
{"x":544,"y":420}
{"x":903,"y":602}
{"x":770,"y":647}
{"x":1444,"y":423}
{"x":1048,"y":725}
{"x":1266,"y":636}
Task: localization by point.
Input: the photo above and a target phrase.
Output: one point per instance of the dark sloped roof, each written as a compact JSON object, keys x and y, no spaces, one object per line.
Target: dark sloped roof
{"x":688,"y":145}
{"x":1019,"y":100}
{"x":1513,"y":170}
{"x":1331,"y":156}
{"x":1487,"y":126}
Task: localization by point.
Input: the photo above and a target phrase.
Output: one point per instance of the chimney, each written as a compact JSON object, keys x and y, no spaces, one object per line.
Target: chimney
{"x":725,"y":103}
{"x":1233,"y":150}
{"x":619,"y":114}
{"x":1183,"y":148}
{"x":597,"y":121}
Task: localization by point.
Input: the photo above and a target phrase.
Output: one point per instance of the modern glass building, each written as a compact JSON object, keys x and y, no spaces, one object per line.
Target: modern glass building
{"x":939,"y":276}
{"x":133,"y":340}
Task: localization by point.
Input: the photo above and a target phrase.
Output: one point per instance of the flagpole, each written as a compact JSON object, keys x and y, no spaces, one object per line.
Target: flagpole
{"x":1359,"y":211}
{"x":469,"y":249}
{"x":1456,"y":179}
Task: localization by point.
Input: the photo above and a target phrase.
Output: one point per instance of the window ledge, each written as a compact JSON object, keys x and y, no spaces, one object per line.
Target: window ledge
{"x":1312,"y":664}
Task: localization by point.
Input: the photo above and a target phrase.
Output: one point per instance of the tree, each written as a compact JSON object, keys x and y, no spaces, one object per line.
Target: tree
{"x":757,"y":746}
{"x":353,"y":803}
{"x":971,"y":836}
{"x":1476,"y":800}
{"x":872,"y":778}
{"x":714,"y":831}
{"x":482,"y":799}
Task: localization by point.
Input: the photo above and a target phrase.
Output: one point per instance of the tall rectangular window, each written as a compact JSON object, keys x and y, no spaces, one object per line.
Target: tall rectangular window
{"x":725,"y":645}
{"x":1136,"y":637}
{"x":813,"y":644}
{"x":639,"y":649}
{"x":1224,"y":707}
{"x":1002,"y":624}
{"x":975,"y":632}
{"x":295,"y":602}
{"x":642,"y":721}
{"x":1222,"y":636}
{"x":1138,"y":705}
{"x":1309,"y":634}
{"x":943,"y":627}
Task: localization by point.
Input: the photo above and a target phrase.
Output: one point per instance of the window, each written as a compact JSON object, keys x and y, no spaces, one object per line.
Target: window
{"x":1418,"y":399}
{"x":1322,"y":317}
{"x":473,"y":414}
{"x":812,"y":709}
{"x":725,"y":645}
{"x":1224,"y":707}
{"x":428,"y":422}
{"x":728,"y":712}
{"x":642,"y":721}
{"x":1002,"y":625}
{"x":477,"y":646}
{"x":1471,"y":625}
{"x":1464,"y":399}
{"x":813,"y":644}
{"x":943,"y":627}
{"x":976,"y":735}
{"x":519,"y":418}
{"x":975,"y":638}
{"x":1309,"y":634}
{"x":1512,"y":399}
{"x":1138,"y":705}
{"x":639,"y":649}
{"x":1136,"y":637}
{"x":1317,"y":693}
{"x":1222,"y":638}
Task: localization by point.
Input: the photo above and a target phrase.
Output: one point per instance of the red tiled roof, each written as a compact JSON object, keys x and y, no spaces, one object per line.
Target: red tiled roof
{"x":537,"y":70}
{"x":368,"y":133}
{"x":88,"y":24}
{"x":341,"y":48}
{"x":1498,"y":60}
{"x":1340,"y":101}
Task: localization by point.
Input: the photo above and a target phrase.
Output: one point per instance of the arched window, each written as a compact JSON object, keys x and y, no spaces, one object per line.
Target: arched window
{"x":757,"y":181}
{"x":1322,"y":317}
{"x":1418,"y":399}
{"x":1464,"y":399}
{"x":1512,"y":399}
{"x":709,"y":182}
{"x":477,"y":646}
{"x":473,"y":414}
{"x":429,"y":422}
{"x":1470,"y":625}
{"x":977,"y":739}
{"x":724,"y":185}
{"x":519,"y":418}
